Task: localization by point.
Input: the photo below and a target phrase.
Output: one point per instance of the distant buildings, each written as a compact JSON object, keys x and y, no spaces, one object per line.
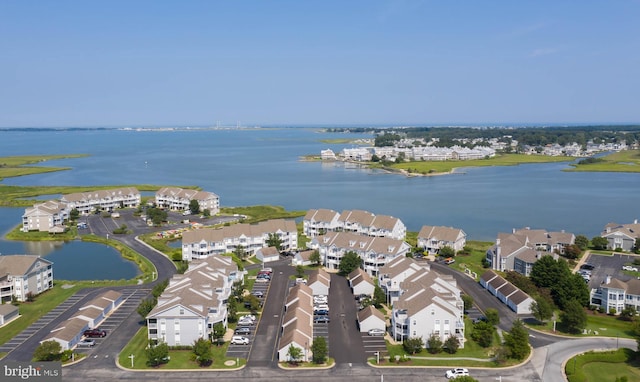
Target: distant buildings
{"x":519,"y":250}
{"x":49,"y":216}
{"x":621,"y":235}
{"x":24,"y":275}
{"x":202,"y":243}
{"x":320,"y":221}
{"x":174,"y":198}
{"x":102,"y":200}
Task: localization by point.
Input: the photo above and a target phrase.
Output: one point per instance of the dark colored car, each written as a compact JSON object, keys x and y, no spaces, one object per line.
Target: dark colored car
{"x":321,"y":312}
{"x":320,"y":319}
{"x":243,"y":330}
{"x":587,"y":266}
{"x":94,"y":333}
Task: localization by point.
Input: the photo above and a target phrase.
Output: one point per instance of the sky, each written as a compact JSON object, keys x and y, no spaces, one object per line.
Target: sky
{"x":324,"y":62}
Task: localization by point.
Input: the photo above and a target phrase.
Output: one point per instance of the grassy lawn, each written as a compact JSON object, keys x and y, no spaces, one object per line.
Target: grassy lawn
{"x":256,"y":214}
{"x":435,"y":167}
{"x":30,"y":312}
{"x":603,"y":366}
{"x":179,"y":359}
{"x":471,"y":350}
{"x":473,"y":261}
{"x":18,"y":165}
{"x":622,"y":161}
{"x":604,"y":324}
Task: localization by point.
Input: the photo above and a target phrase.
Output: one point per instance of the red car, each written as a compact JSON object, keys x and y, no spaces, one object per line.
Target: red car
{"x":95,"y":333}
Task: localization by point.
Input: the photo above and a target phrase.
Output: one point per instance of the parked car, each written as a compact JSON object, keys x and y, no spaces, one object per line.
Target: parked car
{"x":479,"y":319}
{"x":629,"y":268}
{"x":587,"y":266}
{"x":376,"y":332}
{"x":321,"y":307}
{"x":457,"y":372}
{"x":86,"y":343}
{"x":321,"y":312}
{"x":262,"y":279}
{"x":321,"y":319}
{"x":449,"y":260}
{"x":239,"y":340}
{"x":242,"y":330}
{"x":300,"y":280}
{"x":95,"y":333}
{"x":258,"y":293}
{"x":320,"y":299}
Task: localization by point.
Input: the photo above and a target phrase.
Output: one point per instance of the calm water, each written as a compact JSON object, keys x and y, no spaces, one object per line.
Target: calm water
{"x":248,"y":167}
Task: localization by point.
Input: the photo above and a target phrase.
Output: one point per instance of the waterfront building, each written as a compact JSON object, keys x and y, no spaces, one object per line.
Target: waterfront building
{"x":22,"y":276}
{"x":178,"y":199}
{"x":623,"y":236}
{"x":320,"y":221}
{"x":434,"y":238}
{"x":49,"y":216}
{"x":613,"y":295}
{"x":204,"y":242}
{"x":102,"y":200}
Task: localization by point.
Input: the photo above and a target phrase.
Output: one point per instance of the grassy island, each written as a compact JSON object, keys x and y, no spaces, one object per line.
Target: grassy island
{"x":621,"y":161}
{"x":447,"y":167}
{"x":19,"y":165}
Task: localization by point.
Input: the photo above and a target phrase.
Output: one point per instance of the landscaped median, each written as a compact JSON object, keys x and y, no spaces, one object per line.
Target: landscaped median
{"x":604,"y":366}
{"x":133,"y":357}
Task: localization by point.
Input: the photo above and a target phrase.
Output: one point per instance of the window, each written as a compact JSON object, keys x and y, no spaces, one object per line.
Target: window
{"x":181,"y":311}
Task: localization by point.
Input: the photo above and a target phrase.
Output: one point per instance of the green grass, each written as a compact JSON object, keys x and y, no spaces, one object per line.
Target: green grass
{"x":30,"y":312}
{"x":604,"y":324}
{"x":179,"y":359}
{"x":603,"y":366}
{"x":471,"y":350}
{"x":19,"y":165}
{"x":473,"y":261}
{"x":622,"y":161}
{"x":261,"y":213}
{"x":436,"y":167}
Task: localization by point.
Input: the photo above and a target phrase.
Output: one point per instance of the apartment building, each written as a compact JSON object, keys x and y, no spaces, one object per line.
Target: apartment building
{"x":22,"y":275}
{"x":434,"y":238}
{"x":102,"y":200}
{"x":179,"y":199}
{"x":49,"y":216}
{"x":320,"y":221}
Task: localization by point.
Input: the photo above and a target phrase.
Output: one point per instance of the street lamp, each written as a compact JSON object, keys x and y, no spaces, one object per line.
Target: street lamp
{"x":132,"y":357}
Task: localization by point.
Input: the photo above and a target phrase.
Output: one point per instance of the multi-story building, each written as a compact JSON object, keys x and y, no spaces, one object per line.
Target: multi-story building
{"x":193,"y":302}
{"x":613,"y":295}
{"x":321,"y":221}
{"x":622,"y":236}
{"x":434,"y":238}
{"x":175,"y":198}
{"x":429,"y":304}
{"x":105,"y":200}
{"x":201,"y":243}
{"x":517,"y":251}
{"x":24,"y":275}
{"x":49,"y":216}
{"x":375,"y":252}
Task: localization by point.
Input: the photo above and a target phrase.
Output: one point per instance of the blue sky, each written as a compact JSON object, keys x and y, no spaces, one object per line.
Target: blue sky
{"x":150,"y":63}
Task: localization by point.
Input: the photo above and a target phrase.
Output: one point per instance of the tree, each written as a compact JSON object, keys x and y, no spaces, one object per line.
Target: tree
{"x":349,"y":262}
{"x":252,"y":302}
{"x":434,"y":344}
{"x":319,"y":350}
{"x":299,"y":271}
{"x":274,"y":241}
{"x":74,"y":214}
{"x":157,"y":354}
{"x":48,"y":351}
{"x":218,"y":332}
{"x":451,"y":345}
{"x":206,"y":213}
{"x":483,"y":333}
{"x":636,"y":246}
{"x":202,"y":352}
{"x":582,"y":242}
{"x":493,"y":318}
{"x":414,"y":345}
{"x":294,"y":354}
{"x":194,"y":207}
{"x":468,"y":301}
{"x":446,"y":251}
{"x":146,"y":306}
{"x":379,"y":297}
{"x":156,"y":215}
{"x":541,"y":309}
{"x":599,"y":242}
{"x":572,"y":251}
{"x":517,"y":341}
{"x":315,"y":257}
{"x":240,"y":252}
{"x":573,"y":318}
{"x":628,"y":313}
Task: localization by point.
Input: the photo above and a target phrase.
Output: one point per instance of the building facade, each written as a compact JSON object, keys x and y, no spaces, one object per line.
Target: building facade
{"x":24,"y":275}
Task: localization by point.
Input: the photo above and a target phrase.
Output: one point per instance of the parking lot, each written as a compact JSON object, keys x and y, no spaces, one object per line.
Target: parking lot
{"x":609,"y":266}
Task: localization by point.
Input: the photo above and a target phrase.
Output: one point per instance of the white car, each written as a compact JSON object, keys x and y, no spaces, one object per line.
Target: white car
{"x":629,"y":268}
{"x":457,"y":372}
{"x":239,"y":340}
{"x":376,"y":332}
